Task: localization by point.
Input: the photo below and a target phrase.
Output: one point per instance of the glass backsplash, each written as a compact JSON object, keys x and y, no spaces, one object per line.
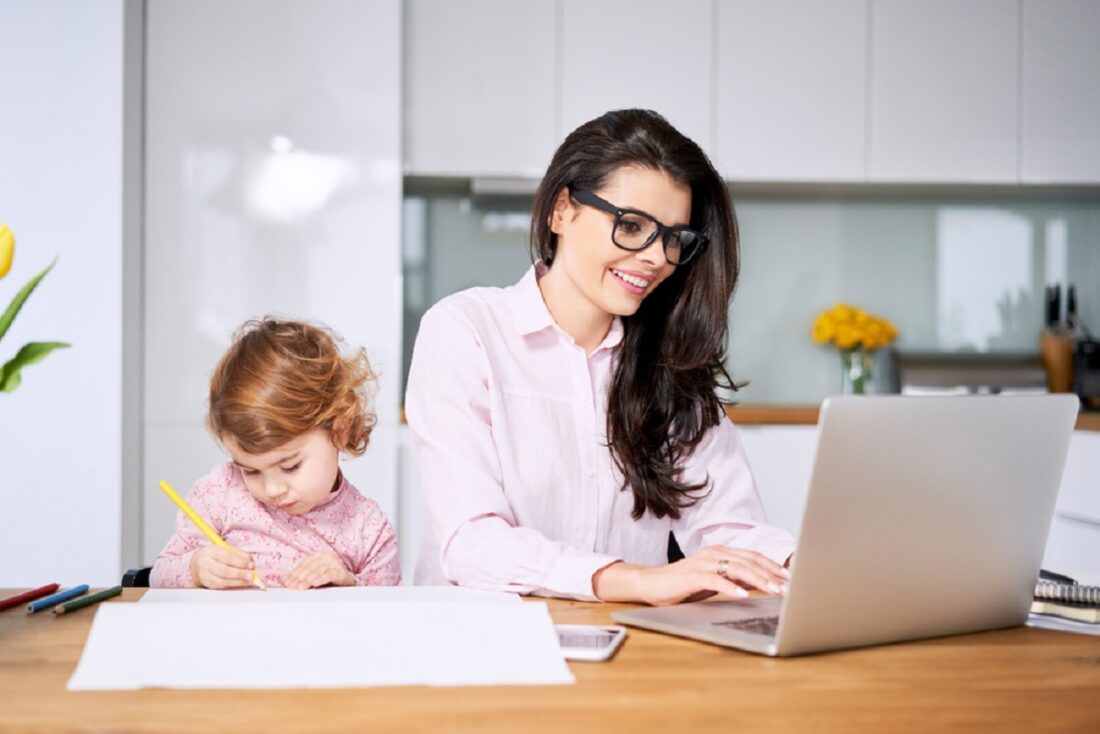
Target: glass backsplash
{"x":953,"y":272}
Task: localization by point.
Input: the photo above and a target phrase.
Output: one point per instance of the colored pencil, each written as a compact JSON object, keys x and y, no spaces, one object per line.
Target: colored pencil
{"x":49,"y":601}
{"x":85,"y":601}
{"x":208,"y":531}
{"x":14,"y":601}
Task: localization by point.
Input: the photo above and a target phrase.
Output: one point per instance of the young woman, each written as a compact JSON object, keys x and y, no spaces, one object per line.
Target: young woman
{"x":563,"y":426}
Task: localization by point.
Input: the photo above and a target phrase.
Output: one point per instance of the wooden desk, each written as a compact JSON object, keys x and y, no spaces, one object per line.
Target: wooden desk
{"x":1022,"y":679}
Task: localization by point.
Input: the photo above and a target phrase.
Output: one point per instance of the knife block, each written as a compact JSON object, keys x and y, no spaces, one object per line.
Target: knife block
{"x":1056,"y":348}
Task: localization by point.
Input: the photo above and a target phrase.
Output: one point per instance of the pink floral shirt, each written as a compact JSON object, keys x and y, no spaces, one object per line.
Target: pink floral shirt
{"x":346,"y":524}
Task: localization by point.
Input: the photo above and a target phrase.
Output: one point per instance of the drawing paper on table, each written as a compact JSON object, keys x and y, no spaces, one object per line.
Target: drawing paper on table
{"x":319,"y":645}
{"x":341,"y":593}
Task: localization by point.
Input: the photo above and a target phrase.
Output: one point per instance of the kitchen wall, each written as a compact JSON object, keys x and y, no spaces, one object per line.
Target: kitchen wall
{"x":955,"y":270}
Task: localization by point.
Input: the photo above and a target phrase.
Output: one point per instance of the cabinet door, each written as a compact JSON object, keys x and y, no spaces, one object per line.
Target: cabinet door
{"x":1060,"y":105}
{"x":480,"y":87}
{"x":944,"y":91}
{"x":791,"y":90}
{"x":639,"y":53}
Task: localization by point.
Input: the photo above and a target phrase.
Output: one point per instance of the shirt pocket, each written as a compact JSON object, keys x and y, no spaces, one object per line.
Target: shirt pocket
{"x":536,"y":435}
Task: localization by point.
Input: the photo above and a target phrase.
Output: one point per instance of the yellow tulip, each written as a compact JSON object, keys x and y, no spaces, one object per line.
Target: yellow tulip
{"x":7,"y":249}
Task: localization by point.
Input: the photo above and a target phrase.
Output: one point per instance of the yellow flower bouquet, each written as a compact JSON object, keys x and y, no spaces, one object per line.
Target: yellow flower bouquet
{"x":856,"y":334}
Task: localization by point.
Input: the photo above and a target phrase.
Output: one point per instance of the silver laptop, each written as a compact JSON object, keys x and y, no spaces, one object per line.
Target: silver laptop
{"x":926,"y":516}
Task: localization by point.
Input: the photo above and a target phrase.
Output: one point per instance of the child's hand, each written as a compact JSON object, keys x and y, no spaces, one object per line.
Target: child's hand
{"x":217,"y":568}
{"x":319,"y":569}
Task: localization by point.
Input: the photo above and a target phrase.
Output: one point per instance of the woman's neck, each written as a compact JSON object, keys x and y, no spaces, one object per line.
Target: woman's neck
{"x":577,"y":316}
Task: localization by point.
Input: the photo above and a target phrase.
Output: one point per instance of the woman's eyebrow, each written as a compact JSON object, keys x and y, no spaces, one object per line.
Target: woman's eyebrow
{"x":639,"y":210}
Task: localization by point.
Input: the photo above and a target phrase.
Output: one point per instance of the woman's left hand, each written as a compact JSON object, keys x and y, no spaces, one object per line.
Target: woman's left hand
{"x":320,"y":569}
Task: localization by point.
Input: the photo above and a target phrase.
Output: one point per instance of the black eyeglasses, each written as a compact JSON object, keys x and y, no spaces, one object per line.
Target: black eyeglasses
{"x":635,"y":230}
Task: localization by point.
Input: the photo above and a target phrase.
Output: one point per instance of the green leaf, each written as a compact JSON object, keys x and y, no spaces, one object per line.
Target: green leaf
{"x":29,"y":354}
{"x":20,"y":297}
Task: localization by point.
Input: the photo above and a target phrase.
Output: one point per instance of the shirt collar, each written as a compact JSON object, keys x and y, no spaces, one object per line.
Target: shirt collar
{"x":530,"y":314}
{"x":529,"y":311}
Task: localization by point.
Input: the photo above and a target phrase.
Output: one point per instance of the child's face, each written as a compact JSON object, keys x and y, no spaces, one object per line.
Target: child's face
{"x":295,"y":477}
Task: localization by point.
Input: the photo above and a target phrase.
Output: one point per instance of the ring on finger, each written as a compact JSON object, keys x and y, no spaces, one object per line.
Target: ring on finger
{"x":723,"y":565}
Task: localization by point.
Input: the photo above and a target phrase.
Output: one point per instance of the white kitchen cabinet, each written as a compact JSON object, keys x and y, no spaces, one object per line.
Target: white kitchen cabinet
{"x":791,"y":90}
{"x":639,"y":53}
{"x":944,"y":91}
{"x":1060,"y":92}
{"x":480,"y":87}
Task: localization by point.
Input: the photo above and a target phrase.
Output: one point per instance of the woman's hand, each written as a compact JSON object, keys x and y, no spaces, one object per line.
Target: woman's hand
{"x":320,"y":569}
{"x":213,"y":567}
{"x":704,"y":573}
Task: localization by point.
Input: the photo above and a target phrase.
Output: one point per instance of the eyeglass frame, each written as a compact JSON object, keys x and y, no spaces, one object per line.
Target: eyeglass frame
{"x":592,"y":199}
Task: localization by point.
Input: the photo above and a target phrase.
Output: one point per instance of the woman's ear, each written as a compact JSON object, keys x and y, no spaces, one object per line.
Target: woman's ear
{"x":563,"y":211}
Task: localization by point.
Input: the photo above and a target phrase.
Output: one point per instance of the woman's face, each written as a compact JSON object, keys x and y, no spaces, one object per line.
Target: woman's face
{"x":612,"y":279}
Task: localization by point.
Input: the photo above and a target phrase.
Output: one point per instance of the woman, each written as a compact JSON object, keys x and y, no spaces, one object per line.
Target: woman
{"x":563,"y":426}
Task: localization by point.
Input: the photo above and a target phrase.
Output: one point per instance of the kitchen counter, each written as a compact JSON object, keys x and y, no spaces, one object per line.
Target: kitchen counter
{"x":806,"y":415}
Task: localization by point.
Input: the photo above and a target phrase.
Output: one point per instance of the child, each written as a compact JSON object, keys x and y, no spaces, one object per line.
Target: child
{"x":284,"y":402}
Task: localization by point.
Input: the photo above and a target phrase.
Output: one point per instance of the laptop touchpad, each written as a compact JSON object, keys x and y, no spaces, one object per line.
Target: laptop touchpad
{"x":756,"y":615}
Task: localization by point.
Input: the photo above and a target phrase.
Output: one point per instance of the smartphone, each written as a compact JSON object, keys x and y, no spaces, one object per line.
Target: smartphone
{"x":589,"y":641}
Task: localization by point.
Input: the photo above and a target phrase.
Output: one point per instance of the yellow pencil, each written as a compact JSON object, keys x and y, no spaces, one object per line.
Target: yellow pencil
{"x":206,"y":529}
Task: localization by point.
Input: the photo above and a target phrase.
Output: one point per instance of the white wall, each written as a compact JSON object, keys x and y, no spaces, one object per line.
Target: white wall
{"x":61,"y":190}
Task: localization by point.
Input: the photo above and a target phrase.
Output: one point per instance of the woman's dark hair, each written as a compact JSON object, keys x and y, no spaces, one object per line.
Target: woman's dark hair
{"x":664,"y":394}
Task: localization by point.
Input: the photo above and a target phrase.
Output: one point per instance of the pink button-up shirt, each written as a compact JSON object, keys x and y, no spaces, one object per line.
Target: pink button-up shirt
{"x":346,"y":524}
{"x":508,"y":419}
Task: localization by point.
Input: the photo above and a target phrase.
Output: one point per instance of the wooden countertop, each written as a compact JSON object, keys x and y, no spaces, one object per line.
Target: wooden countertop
{"x":1020,"y":679}
{"x":806,"y":415}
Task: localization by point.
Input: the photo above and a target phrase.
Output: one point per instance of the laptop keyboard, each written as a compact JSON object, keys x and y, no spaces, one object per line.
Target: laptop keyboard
{"x":756,"y":625}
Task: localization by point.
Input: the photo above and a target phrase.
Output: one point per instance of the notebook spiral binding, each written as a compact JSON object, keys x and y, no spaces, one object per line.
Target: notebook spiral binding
{"x":1071,"y":593}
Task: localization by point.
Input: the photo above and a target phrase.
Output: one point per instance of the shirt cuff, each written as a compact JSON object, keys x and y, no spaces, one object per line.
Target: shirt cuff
{"x":173,"y":572}
{"x":573,"y":572}
{"x":777,"y":549}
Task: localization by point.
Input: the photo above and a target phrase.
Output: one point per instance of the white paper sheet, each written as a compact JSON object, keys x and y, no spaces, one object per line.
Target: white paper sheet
{"x":433,"y":594}
{"x":319,"y":645}
{"x":1061,"y":624}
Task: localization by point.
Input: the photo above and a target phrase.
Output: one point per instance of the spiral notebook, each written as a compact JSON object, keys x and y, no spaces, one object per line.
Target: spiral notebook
{"x":1063,"y":597}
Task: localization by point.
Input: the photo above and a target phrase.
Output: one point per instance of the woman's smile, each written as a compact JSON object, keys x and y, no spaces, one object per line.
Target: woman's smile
{"x":633,"y":281}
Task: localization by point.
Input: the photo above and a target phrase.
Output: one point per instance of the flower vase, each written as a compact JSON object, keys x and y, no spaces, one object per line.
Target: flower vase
{"x":856,"y":366}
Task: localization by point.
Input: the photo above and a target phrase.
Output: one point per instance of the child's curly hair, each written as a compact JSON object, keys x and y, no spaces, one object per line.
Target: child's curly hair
{"x":282,"y":379}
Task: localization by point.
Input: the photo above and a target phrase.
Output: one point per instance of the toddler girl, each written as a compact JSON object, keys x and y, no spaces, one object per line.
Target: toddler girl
{"x":284,"y":402}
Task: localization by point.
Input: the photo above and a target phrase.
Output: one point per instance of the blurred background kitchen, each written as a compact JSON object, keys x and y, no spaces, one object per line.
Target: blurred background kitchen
{"x":194,"y":164}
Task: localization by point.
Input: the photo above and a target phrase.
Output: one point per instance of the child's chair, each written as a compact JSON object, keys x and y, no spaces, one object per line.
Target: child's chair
{"x":137,"y":577}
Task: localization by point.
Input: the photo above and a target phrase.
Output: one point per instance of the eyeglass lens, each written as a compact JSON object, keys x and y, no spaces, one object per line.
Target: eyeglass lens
{"x":636,"y":232}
